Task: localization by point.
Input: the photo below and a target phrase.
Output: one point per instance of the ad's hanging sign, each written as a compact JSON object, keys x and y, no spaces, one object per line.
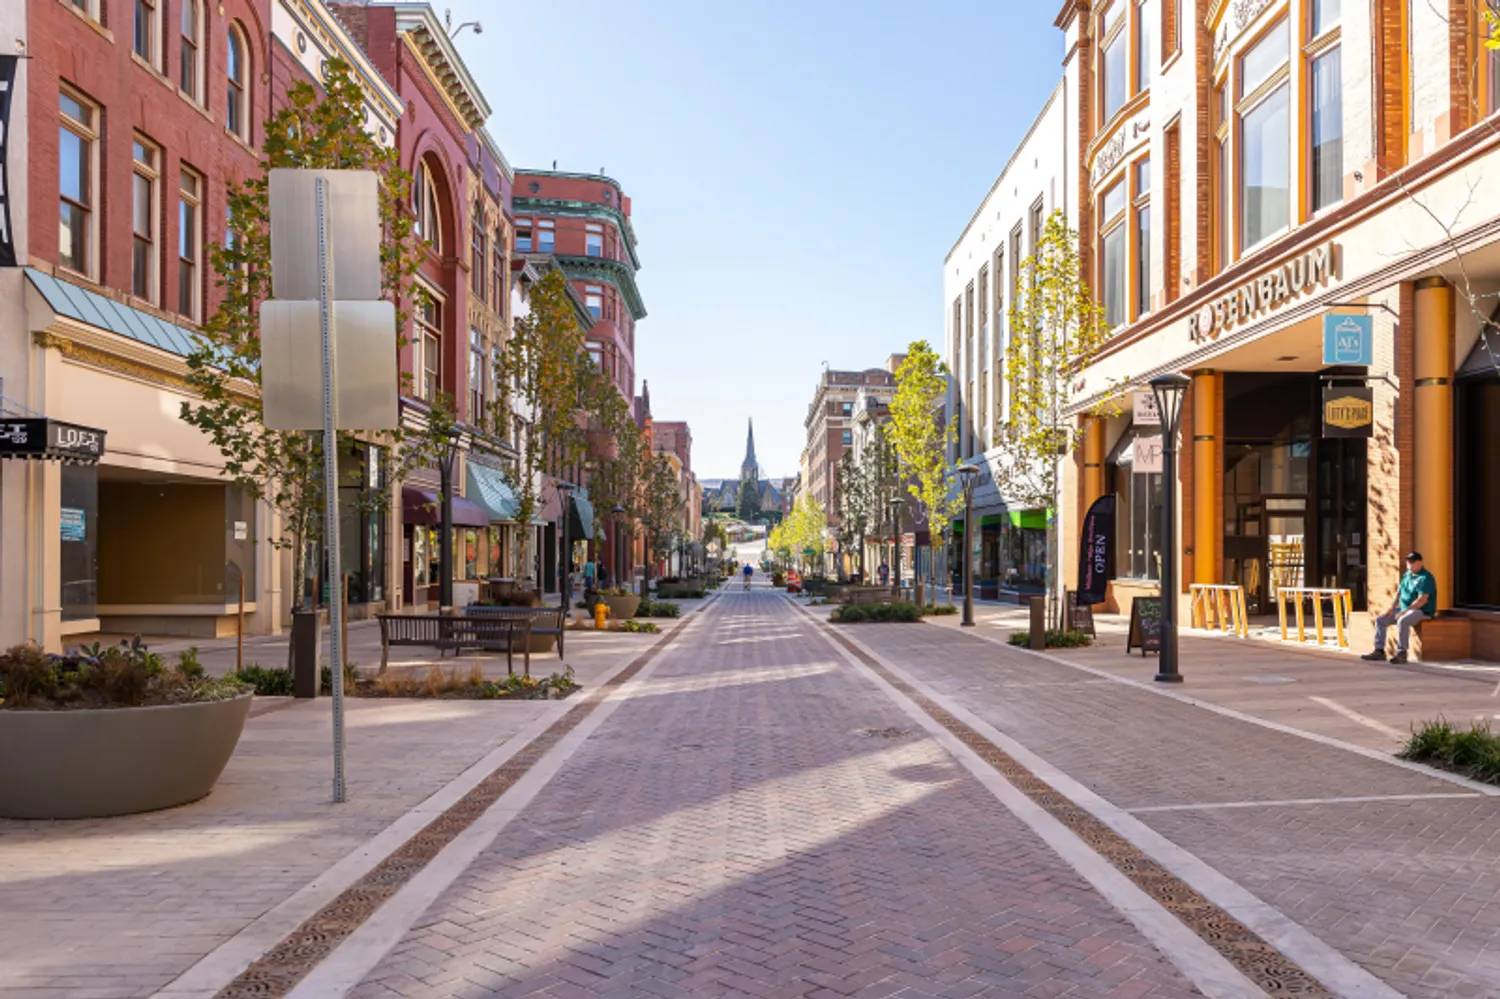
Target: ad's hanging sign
{"x":1348,"y":412}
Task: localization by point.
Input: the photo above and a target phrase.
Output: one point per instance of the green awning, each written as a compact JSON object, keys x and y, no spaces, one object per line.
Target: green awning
{"x":487,"y":487}
{"x":1028,"y":518}
{"x":581,"y":527}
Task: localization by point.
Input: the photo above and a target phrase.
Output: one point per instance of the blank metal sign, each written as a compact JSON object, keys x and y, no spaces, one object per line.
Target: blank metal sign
{"x":353,"y":213}
{"x":365,"y":369}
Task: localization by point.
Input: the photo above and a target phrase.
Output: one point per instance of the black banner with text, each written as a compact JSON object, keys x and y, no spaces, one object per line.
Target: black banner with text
{"x":8,"y":66}
{"x":1096,"y":550}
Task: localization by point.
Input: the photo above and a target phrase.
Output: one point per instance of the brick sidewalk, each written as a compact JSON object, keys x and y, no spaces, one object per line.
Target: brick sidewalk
{"x":758,"y":819}
{"x":119,"y":907}
{"x":1408,"y":887}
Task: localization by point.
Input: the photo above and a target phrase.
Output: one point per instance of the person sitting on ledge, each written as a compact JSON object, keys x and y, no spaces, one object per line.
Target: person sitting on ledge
{"x":1416,"y":599}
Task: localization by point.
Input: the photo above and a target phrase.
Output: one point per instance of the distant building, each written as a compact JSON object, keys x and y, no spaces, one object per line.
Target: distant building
{"x":723,"y":495}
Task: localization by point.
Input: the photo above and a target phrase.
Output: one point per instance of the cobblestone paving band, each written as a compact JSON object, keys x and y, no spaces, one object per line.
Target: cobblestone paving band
{"x":1256,"y":959}
{"x":279,"y":970}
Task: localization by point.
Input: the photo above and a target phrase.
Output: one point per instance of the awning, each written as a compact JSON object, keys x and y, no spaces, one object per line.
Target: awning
{"x":423,"y":506}
{"x":581,"y":524}
{"x":40,"y":439}
{"x":69,"y":300}
{"x":488,"y":488}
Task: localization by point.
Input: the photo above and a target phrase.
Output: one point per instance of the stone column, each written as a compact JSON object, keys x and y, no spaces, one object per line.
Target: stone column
{"x":1433,"y":434}
{"x":1207,"y":532}
{"x":1093,"y":461}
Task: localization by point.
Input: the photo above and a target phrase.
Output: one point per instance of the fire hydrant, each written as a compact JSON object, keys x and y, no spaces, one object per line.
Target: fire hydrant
{"x":601,"y":615}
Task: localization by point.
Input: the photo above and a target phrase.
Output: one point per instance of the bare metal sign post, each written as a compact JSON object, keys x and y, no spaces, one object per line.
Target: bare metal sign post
{"x":328,"y":305}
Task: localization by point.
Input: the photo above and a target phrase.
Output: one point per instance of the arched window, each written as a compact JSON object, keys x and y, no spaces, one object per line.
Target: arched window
{"x":237,"y":68}
{"x":190,"y":72}
{"x":425,"y":207}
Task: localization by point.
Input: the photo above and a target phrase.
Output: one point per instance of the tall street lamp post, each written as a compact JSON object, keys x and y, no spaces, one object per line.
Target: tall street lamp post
{"x":896,"y":547}
{"x":1169,"y":390}
{"x":565,"y":571}
{"x":966,"y":476}
{"x":445,"y":530}
{"x":619,"y":514}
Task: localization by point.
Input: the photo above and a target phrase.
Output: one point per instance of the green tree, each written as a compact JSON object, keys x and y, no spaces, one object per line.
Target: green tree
{"x":921,"y":439}
{"x":748,"y":508}
{"x":1057,"y":329}
{"x":285,"y":468}
{"x":662,"y":508}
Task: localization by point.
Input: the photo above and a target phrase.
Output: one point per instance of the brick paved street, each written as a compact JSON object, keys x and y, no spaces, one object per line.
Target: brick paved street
{"x":759,"y":819}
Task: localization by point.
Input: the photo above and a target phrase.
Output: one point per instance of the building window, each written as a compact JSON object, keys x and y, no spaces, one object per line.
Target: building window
{"x":1324,"y":15}
{"x":1142,"y":237}
{"x":480,"y":257}
{"x":190,"y":73}
{"x":476,"y":376}
{"x":1142,"y":46}
{"x":596,"y":353}
{"x":424,"y":205}
{"x":145,"y":31}
{"x":237,"y":69}
{"x":143,"y":213}
{"x":189,"y":242}
{"x":1138,"y":550}
{"x":1326,"y":121}
{"x":523,"y":235}
{"x":1037,"y":225}
{"x":593,"y":297}
{"x":500,"y":287}
{"x":429,"y":321}
{"x":1265,"y":137}
{"x":89,"y":8}
{"x":1114,"y":56}
{"x":546,"y":236}
{"x":594,"y":238}
{"x":846,"y":409}
{"x":848,"y":438}
{"x":1221,"y":215}
{"x":77,"y":168}
{"x":1113,"y":253}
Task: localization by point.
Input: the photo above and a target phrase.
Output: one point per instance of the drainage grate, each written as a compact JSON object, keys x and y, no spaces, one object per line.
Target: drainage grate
{"x":882,"y":733}
{"x":1257,"y":960}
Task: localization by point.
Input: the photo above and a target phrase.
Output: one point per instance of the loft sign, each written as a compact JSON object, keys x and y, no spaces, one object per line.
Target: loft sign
{"x":1263,"y":293}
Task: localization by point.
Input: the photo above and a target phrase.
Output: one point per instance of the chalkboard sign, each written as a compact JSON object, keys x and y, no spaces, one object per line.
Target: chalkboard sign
{"x":1145,"y":625}
{"x":1080,"y":614}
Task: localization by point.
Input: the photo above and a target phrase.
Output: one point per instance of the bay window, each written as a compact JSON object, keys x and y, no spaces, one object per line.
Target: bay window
{"x":594,"y":239}
{"x":594,"y":298}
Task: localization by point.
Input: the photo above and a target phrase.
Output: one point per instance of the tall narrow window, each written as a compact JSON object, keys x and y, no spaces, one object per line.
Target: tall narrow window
{"x":1114,"y":56}
{"x":499,"y":287}
{"x":523,"y":235}
{"x":594,"y":298}
{"x":77,"y":166}
{"x":546,"y":236}
{"x":1222,"y":221}
{"x":1143,"y":53}
{"x":1491,"y":59}
{"x":237,"y":69}
{"x":190,"y":72}
{"x":1324,"y":14}
{"x":145,"y":30}
{"x":429,"y":321}
{"x":189,"y":242}
{"x":594,"y":240}
{"x":1265,"y":138}
{"x":1171,"y":215}
{"x":143,"y":219}
{"x":479,"y":255}
{"x":1113,"y":251}
{"x":476,"y":376}
{"x":1142,"y":238}
{"x":425,"y":211}
{"x":1326,"y":120}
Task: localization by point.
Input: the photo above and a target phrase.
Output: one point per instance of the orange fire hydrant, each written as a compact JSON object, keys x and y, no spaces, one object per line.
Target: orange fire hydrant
{"x":601,"y":615}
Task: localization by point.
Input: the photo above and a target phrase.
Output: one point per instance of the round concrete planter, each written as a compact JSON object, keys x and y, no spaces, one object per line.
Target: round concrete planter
{"x":542,"y":643}
{"x":621,"y":608}
{"x":114,"y":761}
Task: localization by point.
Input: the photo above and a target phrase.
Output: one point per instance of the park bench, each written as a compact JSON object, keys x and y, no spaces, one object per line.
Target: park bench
{"x":866,"y":595}
{"x":451,"y":632}
{"x":544,"y":620}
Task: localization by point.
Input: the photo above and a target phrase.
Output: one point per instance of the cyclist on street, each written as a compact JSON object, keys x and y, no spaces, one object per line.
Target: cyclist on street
{"x":747,"y":571}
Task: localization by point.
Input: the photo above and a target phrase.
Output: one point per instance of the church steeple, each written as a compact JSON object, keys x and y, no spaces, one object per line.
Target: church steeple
{"x":750,"y":469}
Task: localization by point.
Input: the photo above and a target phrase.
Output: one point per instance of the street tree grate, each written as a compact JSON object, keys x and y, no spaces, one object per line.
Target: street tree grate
{"x":883,"y":733}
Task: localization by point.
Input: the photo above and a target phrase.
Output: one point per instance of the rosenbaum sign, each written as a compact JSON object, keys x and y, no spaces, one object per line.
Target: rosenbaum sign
{"x":1264,"y":292}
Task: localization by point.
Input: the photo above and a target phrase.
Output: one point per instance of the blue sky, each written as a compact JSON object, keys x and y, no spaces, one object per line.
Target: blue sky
{"x":797,"y":170}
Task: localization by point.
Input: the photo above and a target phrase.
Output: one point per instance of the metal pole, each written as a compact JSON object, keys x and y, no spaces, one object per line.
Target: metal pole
{"x":445,"y":542}
{"x":239,"y":629}
{"x":968,"y":621}
{"x":331,"y":486}
{"x":896,"y":557}
{"x":565,"y":571}
{"x":1166,"y":662}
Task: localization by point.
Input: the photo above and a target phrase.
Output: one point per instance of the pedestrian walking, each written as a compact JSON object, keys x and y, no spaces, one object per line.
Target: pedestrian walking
{"x":1416,"y":600}
{"x":885,"y":574}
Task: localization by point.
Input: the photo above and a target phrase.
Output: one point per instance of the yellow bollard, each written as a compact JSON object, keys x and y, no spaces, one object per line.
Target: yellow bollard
{"x":601,"y":615}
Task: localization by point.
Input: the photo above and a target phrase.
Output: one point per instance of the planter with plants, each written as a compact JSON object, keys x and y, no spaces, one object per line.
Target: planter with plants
{"x":896,"y":611}
{"x":658,"y":608}
{"x":622,"y":603}
{"x":111,"y":731}
{"x":527,"y":598}
{"x":1055,"y":639}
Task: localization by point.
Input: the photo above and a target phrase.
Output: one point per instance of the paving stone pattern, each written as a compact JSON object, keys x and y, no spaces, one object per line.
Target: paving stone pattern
{"x":760,"y":820}
{"x":1408,"y":889}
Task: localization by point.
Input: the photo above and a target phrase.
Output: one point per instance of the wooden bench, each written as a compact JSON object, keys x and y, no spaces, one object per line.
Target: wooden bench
{"x":445,"y":632}
{"x":866,"y":595}
{"x":544,"y":620}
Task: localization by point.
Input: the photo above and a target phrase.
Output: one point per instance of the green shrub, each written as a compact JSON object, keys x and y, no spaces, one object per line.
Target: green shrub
{"x":351,"y":678}
{"x":938,"y":610}
{"x":1473,"y":752}
{"x":642,"y":627}
{"x":274,"y":682}
{"x":124,"y":675}
{"x":658,"y":608}
{"x":895,"y":611}
{"x":188,"y":664}
{"x":679,"y":594}
{"x":1055,"y":639}
{"x":27,"y":672}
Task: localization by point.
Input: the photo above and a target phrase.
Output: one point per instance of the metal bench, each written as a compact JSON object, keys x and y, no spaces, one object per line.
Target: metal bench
{"x":544,"y":620}
{"x":445,"y":632}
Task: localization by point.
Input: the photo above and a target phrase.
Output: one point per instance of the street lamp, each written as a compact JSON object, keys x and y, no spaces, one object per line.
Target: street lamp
{"x":618,"y":513}
{"x":565,"y":490}
{"x":445,"y":461}
{"x":966,"y":476}
{"x":1169,"y":390}
{"x":896,"y":545}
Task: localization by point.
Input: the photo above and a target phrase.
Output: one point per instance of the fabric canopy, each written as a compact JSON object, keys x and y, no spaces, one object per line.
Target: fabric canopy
{"x":581,"y":525}
{"x":424,"y":506}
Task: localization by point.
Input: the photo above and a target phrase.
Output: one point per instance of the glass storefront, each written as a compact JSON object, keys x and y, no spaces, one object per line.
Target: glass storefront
{"x":80,"y":542}
{"x":1137,"y":511}
{"x":1476,"y":579}
{"x":363,"y":507}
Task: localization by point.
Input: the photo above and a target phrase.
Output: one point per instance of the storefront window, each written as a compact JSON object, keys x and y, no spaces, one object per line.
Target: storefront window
{"x":80,"y":542}
{"x":1476,"y":530}
{"x":419,"y":556}
{"x":1137,"y":521}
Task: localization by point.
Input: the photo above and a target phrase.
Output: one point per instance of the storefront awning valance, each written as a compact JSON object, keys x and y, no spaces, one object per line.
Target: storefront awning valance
{"x":40,"y":439}
{"x":424,"y":506}
{"x":582,"y":524}
{"x":69,"y":300}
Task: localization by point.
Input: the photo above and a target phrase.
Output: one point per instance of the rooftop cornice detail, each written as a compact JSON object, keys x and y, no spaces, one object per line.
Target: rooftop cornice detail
{"x":313,"y":16}
{"x":432,"y":44}
{"x":557,"y":206}
{"x":613,"y":271}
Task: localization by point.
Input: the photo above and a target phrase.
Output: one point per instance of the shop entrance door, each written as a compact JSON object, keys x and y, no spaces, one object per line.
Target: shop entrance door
{"x":1265,"y":527}
{"x":1342,"y":503}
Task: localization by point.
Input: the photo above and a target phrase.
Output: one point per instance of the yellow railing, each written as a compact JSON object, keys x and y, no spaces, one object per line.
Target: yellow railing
{"x":1341,"y":603}
{"x":1219,"y":607}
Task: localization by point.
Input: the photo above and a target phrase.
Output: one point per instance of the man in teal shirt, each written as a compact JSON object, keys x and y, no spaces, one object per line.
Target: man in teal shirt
{"x":1416,"y":599}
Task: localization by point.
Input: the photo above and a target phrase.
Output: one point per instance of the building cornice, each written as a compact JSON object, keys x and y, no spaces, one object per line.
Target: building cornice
{"x":580,"y":209}
{"x":419,"y":23}
{"x":613,"y":271}
{"x":315,"y":18}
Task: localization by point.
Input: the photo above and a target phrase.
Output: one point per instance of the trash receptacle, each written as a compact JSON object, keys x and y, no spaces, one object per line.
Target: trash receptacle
{"x":305,"y":653}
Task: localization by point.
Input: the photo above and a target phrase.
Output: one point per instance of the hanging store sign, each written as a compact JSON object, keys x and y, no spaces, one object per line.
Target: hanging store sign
{"x":1145,"y":456}
{"x":1145,"y":413}
{"x":1348,"y":412}
{"x":1264,"y":293}
{"x":8,"y":66}
{"x":42,"y":439}
{"x":1348,"y":339}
